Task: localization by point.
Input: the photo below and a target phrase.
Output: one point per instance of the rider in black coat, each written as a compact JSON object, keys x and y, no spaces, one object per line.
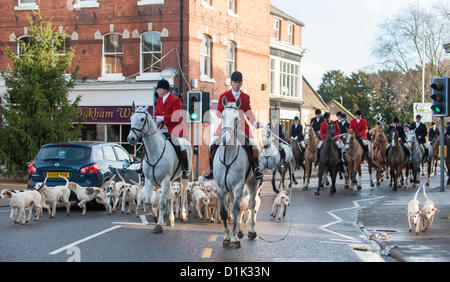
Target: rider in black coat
{"x":316,"y":122}
{"x":421,"y":130}
{"x":433,"y":132}
{"x":402,"y":137}
{"x":297,"y":133}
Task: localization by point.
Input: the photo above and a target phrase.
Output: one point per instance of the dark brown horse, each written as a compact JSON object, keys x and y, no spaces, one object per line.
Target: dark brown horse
{"x":299,"y":157}
{"x":329,"y":158}
{"x":396,"y":158}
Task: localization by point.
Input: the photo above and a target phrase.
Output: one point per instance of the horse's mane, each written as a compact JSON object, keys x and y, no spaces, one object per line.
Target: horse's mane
{"x":379,"y":132}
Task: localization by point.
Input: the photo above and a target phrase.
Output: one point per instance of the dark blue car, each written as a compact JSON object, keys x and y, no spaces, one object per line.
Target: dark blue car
{"x":88,"y":164}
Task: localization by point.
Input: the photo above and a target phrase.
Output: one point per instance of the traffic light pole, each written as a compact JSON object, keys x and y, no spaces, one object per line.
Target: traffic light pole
{"x":442,"y":155}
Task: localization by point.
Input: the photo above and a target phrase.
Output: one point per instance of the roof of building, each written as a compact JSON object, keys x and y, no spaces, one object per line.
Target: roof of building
{"x":342,"y":108}
{"x":277,"y":12}
{"x":312,"y":104}
{"x":447,"y":47}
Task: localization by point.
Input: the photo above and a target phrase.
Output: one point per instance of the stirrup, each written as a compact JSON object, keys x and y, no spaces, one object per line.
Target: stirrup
{"x":258,"y":173}
{"x":185,"y":174}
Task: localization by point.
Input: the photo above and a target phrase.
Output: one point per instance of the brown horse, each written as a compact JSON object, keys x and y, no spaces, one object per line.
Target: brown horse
{"x":354,"y":157}
{"x":435,"y":145}
{"x":396,"y":158}
{"x":379,"y":152}
{"x":299,"y":157}
{"x":312,"y":141}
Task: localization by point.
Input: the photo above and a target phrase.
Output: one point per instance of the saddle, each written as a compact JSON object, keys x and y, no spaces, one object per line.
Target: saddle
{"x":175,"y":147}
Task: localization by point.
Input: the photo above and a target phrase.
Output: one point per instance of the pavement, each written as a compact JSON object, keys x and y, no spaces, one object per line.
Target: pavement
{"x":385,"y":221}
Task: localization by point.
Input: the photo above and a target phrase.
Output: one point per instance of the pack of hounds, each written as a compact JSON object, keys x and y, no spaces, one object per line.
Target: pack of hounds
{"x":202,"y":201}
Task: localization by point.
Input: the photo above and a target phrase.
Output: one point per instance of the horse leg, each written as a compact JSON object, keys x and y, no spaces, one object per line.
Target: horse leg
{"x":333,"y":174}
{"x":370,"y":164}
{"x":359,"y":183}
{"x":184,"y":184}
{"x":165,"y":188}
{"x":393,"y":179}
{"x":224,"y":215}
{"x":429,"y":167}
{"x":236,"y":233}
{"x":321,"y":168}
{"x":274,"y":172}
{"x":252,"y":189}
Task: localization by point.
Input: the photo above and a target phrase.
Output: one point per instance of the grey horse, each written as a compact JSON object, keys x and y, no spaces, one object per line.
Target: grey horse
{"x":271,"y":159}
{"x":418,"y":158}
{"x":161,"y":165}
{"x":232,"y":171}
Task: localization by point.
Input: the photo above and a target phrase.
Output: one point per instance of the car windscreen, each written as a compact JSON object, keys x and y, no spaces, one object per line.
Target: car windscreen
{"x":63,"y":153}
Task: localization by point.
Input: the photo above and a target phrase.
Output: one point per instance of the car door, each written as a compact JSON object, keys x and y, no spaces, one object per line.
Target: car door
{"x":123,"y":156}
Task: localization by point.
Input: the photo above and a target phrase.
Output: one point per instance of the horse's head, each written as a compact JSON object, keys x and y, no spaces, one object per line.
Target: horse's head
{"x":141,"y":124}
{"x":411,"y":136}
{"x":331,"y":131}
{"x":393,"y":137}
{"x":350,"y":136}
{"x":266,"y":136}
{"x":230,"y":121}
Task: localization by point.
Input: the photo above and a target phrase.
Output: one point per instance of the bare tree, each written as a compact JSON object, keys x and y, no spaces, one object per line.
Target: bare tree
{"x":399,"y":43}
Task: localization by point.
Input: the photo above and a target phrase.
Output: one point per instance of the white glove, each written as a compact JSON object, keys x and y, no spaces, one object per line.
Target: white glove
{"x":257,"y":124}
{"x":159,"y":119}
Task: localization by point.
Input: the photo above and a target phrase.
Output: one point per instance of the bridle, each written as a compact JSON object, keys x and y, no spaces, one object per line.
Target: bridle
{"x":140,"y":130}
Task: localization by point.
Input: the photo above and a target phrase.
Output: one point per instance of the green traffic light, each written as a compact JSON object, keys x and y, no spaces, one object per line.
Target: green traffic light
{"x":194,"y":116}
{"x":436,"y":109}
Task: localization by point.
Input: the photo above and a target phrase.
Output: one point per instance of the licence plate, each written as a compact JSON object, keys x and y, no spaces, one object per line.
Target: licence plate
{"x":56,"y":174}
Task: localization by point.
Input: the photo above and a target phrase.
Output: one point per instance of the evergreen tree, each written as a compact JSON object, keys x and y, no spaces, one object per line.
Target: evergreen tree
{"x":36,"y":109}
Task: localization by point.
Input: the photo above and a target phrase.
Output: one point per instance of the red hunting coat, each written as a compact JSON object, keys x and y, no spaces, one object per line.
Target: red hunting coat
{"x":245,"y":110}
{"x":171,"y":111}
{"x":359,"y":128}
{"x":324,"y":127}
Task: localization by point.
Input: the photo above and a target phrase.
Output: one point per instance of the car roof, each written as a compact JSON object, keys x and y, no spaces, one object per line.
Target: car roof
{"x":79,"y":143}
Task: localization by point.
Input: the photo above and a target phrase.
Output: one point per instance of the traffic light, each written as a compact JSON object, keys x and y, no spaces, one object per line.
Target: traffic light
{"x":440,"y":97}
{"x":197,"y":106}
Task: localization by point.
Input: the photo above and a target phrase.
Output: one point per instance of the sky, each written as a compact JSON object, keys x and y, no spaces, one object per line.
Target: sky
{"x":340,"y":34}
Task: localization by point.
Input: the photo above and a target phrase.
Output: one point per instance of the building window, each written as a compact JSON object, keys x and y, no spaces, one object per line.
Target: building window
{"x":26,"y":5}
{"x":205,"y":57}
{"x":207,"y":4}
{"x":272,"y":76}
{"x":150,"y":2}
{"x":64,"y":47}
{"x":289,"y":79}
{"x":151,"y":50}
{"x":112,"y":56}
{"x":232,"y":8}
{"x":230,"y":60}
{"x":290,"y":33}
{"x":86,"y":4}
{"x":276,"y":29}
{"x":24,"y":40}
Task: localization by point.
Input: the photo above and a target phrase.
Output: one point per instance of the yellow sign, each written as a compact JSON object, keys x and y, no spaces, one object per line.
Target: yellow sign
{"x":56,"y":174}
{"x":445,"y":151}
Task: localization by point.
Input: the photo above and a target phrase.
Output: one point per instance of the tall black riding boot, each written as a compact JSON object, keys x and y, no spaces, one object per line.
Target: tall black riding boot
{"x":255,"y":162}
{"x":184,"y":165}
{"x":212,"y":152}
{"x":316,"y":162}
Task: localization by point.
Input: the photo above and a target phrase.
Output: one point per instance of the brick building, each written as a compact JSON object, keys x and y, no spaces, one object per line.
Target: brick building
{"x":124,"y":47}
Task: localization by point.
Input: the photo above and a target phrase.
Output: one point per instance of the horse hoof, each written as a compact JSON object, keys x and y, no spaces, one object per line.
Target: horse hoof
{"x":235,"y":245}
{"x":394,"y":189}
{"x":240,"y":234}
{"x":316,"y":194}
{"x":359,"y":187}
{"x":158,"y":229}
{"x":428,"y":184}
{"x":251,"y":235}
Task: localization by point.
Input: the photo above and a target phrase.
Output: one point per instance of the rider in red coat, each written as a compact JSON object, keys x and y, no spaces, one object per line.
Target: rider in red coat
{"x":323,"y":134}
{"x":169,"y":120}
{"x":359,"y":125}
{"x":245,"y":110}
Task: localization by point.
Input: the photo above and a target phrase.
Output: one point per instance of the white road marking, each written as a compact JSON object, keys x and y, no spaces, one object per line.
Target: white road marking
{"x":83,"y":240}
{"x":339,"y":220}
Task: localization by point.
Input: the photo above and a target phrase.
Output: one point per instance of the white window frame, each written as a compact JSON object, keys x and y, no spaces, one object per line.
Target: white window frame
{"x":230,"y":44}
{"x":86,"y":4}
{"x":26,"y":6}
{"x":147,"y":75}
{"x":150,"y":2}
{"x":110,"y":76}
{"x":290,"y":32}
{"x":207,"y":4}
{"x":289,"y":77}
{"x":232,"y":9}
{"x":206,"y":76}
{"x":18,"y":42}
{"x":276,"y":20}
